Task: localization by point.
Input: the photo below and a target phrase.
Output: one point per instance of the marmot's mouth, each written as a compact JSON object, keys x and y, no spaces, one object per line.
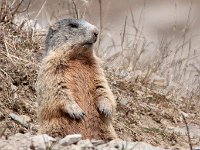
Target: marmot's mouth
{"x":89,"y":43}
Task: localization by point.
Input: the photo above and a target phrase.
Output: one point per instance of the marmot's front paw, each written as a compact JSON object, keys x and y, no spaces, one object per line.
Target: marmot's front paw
{"x":105,"y":107}
{"x":74,"y":111}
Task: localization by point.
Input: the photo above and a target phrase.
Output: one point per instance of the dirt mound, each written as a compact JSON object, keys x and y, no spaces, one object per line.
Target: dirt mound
{"x":18,"y":66}
{"x":147,"y":115}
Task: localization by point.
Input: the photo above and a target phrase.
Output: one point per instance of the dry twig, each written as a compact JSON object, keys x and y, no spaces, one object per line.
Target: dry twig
{"x":188,"y":132}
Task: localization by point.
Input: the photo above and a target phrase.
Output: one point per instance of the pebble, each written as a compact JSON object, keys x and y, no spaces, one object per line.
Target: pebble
{"x":42,"y":142}
{"x":85,"y":143}
{"x":70,"y":142}
{"x":70,"y":139}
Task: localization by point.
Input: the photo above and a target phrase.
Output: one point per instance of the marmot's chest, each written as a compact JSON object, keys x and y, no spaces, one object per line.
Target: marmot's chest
{"x":81,"y":82}
{"x":81,"y":78}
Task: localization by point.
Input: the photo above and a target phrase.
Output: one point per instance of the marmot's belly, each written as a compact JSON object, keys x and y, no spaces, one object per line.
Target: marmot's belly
{"x":83,"y":90}
{"x":90,"y":126}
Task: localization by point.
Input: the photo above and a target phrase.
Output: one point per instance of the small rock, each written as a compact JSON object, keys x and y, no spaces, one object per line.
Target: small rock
{"x":27,"y":134}
{"x":157,"y":80}
{"x":15,"y":95}
{"x":197,"y":148}
{"x":123,"y":74}
{"x":13,"y":88}
{"x":124,"y":102}
{"x":112,"y":145}
{"x":193,"y":128}
{"x":19,"y":119}
{"x":97,"y":142}
{"x":25,"y":118}
{"x":19,"y":134}
{"x":85,"y":143}
{"x":74,"y":147}
{"x":141,"y":146}
{"x":70,"y":139}
{"x":119,"y":144}
{"x":42,"y":142}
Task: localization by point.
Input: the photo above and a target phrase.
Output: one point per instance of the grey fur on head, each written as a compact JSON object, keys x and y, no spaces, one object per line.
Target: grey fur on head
{"x":72,"y":32}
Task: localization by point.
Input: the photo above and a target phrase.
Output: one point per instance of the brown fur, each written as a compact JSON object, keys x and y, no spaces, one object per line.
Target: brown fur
{"x":74,"y":74}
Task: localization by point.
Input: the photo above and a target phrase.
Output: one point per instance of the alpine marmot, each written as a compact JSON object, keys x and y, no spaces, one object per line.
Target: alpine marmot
{"x":72,"y":91}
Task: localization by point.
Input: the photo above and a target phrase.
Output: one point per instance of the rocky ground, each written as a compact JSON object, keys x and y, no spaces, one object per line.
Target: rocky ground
{"x":72,"y":142}
{"x":146,"y":113}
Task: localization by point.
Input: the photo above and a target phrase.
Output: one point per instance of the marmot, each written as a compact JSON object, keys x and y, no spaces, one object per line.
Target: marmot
{"x":73,"y":93}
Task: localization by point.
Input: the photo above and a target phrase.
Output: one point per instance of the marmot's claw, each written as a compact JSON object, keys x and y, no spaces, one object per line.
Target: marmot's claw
{"x":105,"y":107}
{"x":74,"y":111}
{"x":106,"y":112}
{"x":77,"y":115}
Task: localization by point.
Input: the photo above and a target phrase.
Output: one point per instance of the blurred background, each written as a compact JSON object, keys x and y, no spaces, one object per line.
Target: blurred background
{"x":156,"y":39}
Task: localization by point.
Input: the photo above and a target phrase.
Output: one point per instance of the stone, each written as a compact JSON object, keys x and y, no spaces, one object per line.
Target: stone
{"x":119,"y":144}
{"x":193,"y":128}
{"x":72,"y":142}
{"x":140,"y":146}
{"x":70,"y":139}
{"x":19,"y":119}
{"x":97,"y":142}
{"x":159,"y":81}
{"x":25,"y":118}
{"x":19,"y":134}
{"x":85,"y":143}
{"x":112,"y":145}
{"x":124,"y":101}
{"x":74,"y":147}
{"x":42,"y":142}
{"x":197,"y":148}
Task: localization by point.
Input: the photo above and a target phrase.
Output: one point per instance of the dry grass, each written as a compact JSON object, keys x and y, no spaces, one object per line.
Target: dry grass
{"x":17,"y":66}
{"x":176,"y":61}
{"x":147,"y":115}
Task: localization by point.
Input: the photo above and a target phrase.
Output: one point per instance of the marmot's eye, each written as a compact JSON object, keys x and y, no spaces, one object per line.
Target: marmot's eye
{"x":73,"y":25}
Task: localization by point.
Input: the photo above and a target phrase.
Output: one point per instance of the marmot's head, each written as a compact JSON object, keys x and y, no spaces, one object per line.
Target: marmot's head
{"x":74,"y":32}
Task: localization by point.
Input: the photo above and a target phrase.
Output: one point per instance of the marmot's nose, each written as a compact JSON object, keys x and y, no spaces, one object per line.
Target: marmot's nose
{"x":95,"y":32}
